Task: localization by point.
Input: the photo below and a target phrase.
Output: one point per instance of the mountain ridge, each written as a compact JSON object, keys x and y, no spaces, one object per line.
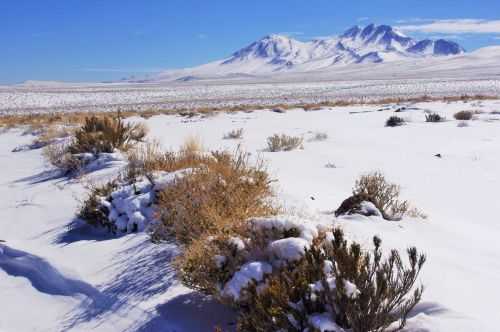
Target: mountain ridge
{"x":371,"y":44}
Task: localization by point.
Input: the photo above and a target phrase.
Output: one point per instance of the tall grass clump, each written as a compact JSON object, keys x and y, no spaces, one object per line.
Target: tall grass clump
{"x":106,"y":134}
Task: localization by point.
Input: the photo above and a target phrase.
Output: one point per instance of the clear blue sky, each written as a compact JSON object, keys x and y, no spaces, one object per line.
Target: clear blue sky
{"x":91,"y":40}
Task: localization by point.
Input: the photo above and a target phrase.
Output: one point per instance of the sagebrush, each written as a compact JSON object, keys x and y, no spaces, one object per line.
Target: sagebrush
{"x":219,"y":194}
{"x":337,"y":281}
{"x":283,"y":142}
{"x":463,"y":115}
{"x":394,"y":121}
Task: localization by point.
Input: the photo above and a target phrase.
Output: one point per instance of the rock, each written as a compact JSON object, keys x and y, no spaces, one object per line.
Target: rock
{"x":358,"y":204}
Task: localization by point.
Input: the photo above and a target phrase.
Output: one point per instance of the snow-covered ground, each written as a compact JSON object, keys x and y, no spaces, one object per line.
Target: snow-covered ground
{"x":53,"y":278}
{"x":359,"y":84}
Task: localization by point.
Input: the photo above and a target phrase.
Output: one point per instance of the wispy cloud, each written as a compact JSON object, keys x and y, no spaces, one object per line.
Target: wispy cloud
{"x":456,"y":26}
{"x":361,"y":19}
{"x":202,"y":36}
{"x":291,"y":33}
{"x":121,"y":70}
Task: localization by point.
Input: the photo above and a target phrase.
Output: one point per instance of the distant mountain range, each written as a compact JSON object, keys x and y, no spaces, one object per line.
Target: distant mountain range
{"x":280,"y":54}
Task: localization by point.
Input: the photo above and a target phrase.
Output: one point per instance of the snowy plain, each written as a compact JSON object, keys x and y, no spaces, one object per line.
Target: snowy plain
{"x":53,"y":278}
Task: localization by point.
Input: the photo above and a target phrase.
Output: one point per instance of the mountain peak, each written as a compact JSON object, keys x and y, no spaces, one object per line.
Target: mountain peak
{"x":352,"y":32}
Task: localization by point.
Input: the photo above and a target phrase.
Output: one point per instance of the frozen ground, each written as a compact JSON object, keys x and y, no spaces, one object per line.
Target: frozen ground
{"x":291,"y":89}
{"x":57,"y":279}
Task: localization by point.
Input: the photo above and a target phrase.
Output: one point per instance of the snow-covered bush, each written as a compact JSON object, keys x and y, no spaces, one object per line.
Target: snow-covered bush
{"x":220,"y":193}
{"x":335,"y":287}
{"x":124,"y":206}
{"x":463,"y":115}
{"x":374,"y":195}
{"x":234,"y":134}
{"x":394,"y":121}
{"x":98,"y":136}
{"x":223,"y":265}
{"x":283,"y":142}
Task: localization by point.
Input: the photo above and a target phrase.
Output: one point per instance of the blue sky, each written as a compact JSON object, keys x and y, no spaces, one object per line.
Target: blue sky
{"x":94,"y":40}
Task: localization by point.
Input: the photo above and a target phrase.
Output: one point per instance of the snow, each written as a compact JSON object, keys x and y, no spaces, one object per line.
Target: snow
{"x":289,"y":249}
{"x":131,"y":206}
{"x":308,"y":229}
{"x":324,"y":323}
{"x":79,"y":279}
{"x":253,"y":271}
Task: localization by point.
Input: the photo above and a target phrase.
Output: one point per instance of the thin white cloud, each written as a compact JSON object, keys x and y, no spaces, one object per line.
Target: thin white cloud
{"x":121,"y":70}
{"x":361,"y":19}
{"x":202,"y":36}
{"x":457,"y":26}
{"x":291,"y":33}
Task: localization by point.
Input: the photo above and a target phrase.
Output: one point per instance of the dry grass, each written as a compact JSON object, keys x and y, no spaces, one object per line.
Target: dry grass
{"x":192,"y":145}
{"x":148,"y":158}
{"x":217,"y":196}
{"x":77,"y":118}
{"x":283,"y":142}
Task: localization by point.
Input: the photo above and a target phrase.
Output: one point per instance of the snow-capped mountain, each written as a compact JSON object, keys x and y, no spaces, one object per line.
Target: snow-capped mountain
{"x":357,"y":45}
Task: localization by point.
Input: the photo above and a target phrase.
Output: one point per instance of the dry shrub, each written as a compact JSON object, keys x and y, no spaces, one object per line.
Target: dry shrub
{"x":57,"y":155}
{"x":319,"y":137}
{"x":463,"y":115}
{"x":208,"y":263}
{"x":357,"y":291}
{"x":374,"y":188}
{"x":98,"y":135}
{"x":234,"y":134}
{"x":434,"y":117}
{"x":394,"y":121}
{"x":283,"y":142}
{"x":217,"y":196}
{"x":53,"y":133}
{"x":93,"y":211}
